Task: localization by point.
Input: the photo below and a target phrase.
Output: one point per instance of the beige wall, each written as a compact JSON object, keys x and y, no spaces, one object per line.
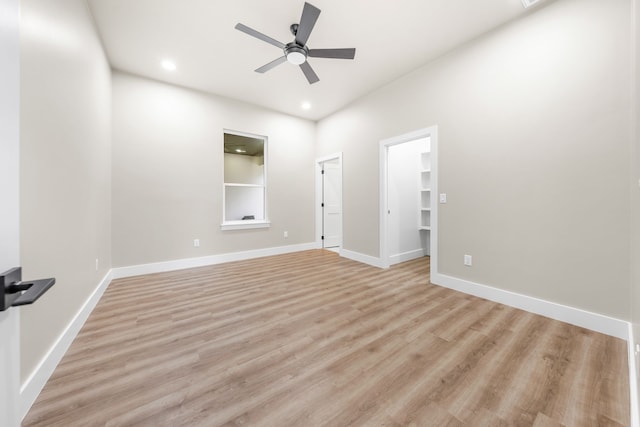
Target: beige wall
{"x":64,"y":168}
{"x":533,"y":123}
{"x":168,"y":173}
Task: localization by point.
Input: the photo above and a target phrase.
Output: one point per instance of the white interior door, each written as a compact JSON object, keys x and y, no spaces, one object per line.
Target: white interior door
{"x":332,"y":204}
{"x":9,"y":216}
{"x":394,"y":205}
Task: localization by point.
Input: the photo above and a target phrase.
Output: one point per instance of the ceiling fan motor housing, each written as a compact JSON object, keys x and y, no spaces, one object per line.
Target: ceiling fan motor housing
{"x":295,"y":53}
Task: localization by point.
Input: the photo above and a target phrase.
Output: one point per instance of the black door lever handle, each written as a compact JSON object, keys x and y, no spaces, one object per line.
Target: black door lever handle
{"x":34,"y":290}
{"x":15,"y":292}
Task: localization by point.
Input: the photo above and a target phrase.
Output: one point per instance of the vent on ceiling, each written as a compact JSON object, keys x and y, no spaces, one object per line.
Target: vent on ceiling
{"x":528,"y":3}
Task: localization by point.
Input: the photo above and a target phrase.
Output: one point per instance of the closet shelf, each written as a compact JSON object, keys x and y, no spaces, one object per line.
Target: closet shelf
{"x":424,"y":207}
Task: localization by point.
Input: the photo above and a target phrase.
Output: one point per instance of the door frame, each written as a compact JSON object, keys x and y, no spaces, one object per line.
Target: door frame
{"x":10,"y":411}
{"x":432,"y":133}
{"x":318,"y":169}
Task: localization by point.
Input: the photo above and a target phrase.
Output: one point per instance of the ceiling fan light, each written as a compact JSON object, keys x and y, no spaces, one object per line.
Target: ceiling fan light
{"x":296,"y":58}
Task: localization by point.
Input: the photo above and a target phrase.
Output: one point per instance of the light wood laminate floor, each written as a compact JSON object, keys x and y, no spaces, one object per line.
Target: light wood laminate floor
{"x":312,"y":339}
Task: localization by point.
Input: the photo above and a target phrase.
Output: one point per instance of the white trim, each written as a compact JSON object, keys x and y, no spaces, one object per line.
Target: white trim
{"x":635,"y":132}
{"x":365,"y":259}
{"x":633,"y":379}
{"x":181,"y":264}
{"x":244,"y":225}
{"x":575,"y":316}
{"x":232,"y":184}
{"x":33,"y":385}
{"x":435,"y":200}
{"x":432,"y":133}
{"x":406,"y":256}
{"x":318,"y":174}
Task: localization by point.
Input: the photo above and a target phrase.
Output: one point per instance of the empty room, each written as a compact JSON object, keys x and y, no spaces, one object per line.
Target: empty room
{"x":290,"y":213}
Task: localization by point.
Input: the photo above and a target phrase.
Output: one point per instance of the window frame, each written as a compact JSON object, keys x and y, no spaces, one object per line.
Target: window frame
{"x":246,"y":224}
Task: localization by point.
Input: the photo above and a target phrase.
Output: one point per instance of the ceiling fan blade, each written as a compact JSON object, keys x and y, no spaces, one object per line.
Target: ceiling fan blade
{"x":309,"y":17}
{"x":311,"y":75}
{"x":271,"y":64}
{"x":349,"y":53}
{"x":259,"y":35}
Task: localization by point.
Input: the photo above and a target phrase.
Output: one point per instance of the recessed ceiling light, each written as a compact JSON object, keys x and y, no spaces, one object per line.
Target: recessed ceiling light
{"x":306,"y":105}
{"x":168,"y":65}
{"x":240,"y":150}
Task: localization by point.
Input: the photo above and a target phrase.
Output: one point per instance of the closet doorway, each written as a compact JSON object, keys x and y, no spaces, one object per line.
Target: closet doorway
{"x":408,"y":188}
{"x":329,"y":202}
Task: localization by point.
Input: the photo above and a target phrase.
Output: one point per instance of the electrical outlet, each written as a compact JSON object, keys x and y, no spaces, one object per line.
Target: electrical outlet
{"x":286,"y":234}
{"x":468,"y":260}
{"x":196,"y":243}
{"x":637,"y":349}
{"x":97,"y":264}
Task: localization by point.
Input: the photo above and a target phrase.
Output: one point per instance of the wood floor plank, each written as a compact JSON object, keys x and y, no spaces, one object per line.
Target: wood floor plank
{"x":312,"y":339}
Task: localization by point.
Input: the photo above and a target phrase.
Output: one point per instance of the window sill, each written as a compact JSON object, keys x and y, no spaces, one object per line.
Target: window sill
{"x":244,"y":225}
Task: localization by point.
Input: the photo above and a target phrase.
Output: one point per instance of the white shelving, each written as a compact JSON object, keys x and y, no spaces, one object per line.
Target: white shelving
{"x":425,"y":191}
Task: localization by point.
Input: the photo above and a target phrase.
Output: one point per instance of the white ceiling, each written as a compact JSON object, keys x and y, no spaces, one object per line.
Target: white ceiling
{"x":391,"y":37}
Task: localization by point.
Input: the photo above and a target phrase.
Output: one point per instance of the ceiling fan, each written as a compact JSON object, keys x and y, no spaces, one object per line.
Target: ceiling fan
{"x":297,"y":51}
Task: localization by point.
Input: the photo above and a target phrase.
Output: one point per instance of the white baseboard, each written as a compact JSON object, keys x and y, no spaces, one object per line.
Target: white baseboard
{"x":406,"y":256}
{"x":33,"y":385}
{"x":366,"y":259}
{"x":575,"y":316}
{"x":633,"y":381}
{"x":181,"y":264}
